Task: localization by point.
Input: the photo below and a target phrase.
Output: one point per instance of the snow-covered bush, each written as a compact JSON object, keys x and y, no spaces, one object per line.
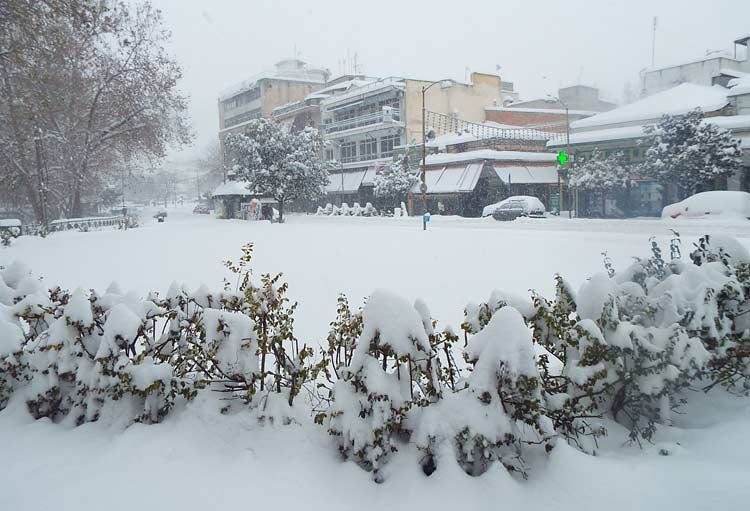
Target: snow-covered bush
{"x":369,"y":210}
{"x":387,"y":374}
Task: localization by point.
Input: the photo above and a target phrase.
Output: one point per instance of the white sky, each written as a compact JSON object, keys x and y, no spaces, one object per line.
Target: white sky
{"x":540,"y":44}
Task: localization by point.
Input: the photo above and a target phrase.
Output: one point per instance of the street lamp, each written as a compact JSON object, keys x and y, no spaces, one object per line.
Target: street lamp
{"x":567,"y":145}
{"x":423,"y":187}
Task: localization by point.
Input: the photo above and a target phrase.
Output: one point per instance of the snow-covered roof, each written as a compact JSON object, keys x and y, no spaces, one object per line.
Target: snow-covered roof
{"x":559,"y":111}
{"x":730,"y":122}
{"x":341,"y":86}
{"x":739,"y":86}
{"x":488,"y":154}
{"x":527,"y":175}
{"x":715,"y":56}
{"x":10,"y":222}
{"x":368,"y":88}
{"x":296,"y":72}
{"x":231,"y":188}
{"x":732,"y":72}
{"x":677,"y":100}
{"x":451,"y":179}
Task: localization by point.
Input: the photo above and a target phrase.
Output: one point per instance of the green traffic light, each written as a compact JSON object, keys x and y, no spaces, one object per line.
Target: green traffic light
{"x":562,"y":158}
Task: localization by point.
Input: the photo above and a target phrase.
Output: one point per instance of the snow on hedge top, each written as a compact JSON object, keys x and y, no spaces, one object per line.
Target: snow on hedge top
{"x":11,"y":338}
{"x":395,"y":321}
{"x":78,"y":309}
{"x":724,"y":203}
{"x":122,"y":324}
{"x":674,"y":101}
{"x":488,"y":154}
{"x":506,"y":341}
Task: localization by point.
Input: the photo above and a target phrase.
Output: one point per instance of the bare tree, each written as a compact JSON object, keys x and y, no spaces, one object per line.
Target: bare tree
{"x":86,"y":86}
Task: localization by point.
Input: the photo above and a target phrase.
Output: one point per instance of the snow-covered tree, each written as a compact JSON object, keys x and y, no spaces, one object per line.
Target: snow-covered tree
{"x":601,"y":173}
{"x":277,"y":163}
{"x":689,"y":152}
{"x":87,"y":87}
{"x":393,"y":184}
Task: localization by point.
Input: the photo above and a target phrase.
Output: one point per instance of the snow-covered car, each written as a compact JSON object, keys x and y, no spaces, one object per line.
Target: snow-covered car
{"x":201,"y":209}
{"x":531,"y":206}
{"x":724,"y":204}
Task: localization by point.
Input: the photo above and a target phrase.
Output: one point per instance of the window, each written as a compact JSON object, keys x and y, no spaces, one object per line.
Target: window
{"x":368,"y":149}
{"x":329,"y":154}
{"x":388,"y":143}
{"x":348,"y":152}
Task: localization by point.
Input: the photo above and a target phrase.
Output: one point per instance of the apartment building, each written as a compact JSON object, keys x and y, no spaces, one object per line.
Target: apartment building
{"x":364,"y":126}
{"x":287,"y":82}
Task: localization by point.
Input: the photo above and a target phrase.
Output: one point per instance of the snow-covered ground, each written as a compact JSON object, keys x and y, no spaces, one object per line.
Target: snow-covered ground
{"x":200,"y":459}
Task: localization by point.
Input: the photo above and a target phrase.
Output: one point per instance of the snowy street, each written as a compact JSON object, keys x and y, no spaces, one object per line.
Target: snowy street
{"x":456,"y":261}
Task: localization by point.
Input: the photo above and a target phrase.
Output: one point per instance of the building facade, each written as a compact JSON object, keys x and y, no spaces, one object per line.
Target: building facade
{"x":289,"y":81}
{"x":364,"y":126}
{"x":715,"y":69}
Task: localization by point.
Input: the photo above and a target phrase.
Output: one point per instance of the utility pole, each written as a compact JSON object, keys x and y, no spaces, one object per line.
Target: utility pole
{"x":41,"y":178}
{"x":653,"y":44}
{"x":423,"y":186}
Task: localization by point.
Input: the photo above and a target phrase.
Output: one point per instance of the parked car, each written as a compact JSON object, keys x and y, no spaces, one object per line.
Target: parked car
{"x":725,"y":204}
{"x":509,"y":211}
{"x":531,"y":206}
{"x":160,"y":216}
{"x":201,"y":209}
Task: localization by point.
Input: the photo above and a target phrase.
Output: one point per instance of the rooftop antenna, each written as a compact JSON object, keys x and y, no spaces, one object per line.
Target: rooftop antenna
{"x":653,"y":44}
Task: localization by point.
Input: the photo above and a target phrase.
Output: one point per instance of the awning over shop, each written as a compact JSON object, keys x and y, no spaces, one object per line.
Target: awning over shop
{"x":346,"y":182}
{"x":451,"y":179}
{"x":527,"y":175}
{"x":232,"y":188}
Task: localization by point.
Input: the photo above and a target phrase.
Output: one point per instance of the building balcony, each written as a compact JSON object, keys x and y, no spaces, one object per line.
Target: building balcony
{"x":386,"y":116}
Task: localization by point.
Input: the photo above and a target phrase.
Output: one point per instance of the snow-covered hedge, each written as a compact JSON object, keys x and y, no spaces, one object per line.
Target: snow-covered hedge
{"x":534,"y":371}
{"x":75,"y":354}
{"x":346,"y":210}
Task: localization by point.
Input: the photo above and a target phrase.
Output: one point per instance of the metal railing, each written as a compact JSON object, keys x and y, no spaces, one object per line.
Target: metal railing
{"x":445,"y":124}
{"x":363,"y":120}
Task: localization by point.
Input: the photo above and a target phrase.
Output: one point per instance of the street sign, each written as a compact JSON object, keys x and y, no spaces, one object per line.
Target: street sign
{"x":562,"y":158}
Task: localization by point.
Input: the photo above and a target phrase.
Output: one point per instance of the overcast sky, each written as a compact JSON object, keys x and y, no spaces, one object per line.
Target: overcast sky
{"x":540,"y":44}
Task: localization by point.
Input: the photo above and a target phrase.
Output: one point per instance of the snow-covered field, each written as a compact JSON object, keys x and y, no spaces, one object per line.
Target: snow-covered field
{"x":199,"y":459}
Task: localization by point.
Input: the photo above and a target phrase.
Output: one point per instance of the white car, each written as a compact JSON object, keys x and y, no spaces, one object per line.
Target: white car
{"x":724,"y":204}
{"x":532,"y":206}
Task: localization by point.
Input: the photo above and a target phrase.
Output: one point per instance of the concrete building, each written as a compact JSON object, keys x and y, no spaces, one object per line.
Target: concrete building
{"x":583,"y":101}
{"x":363,"y":126}
{"x":622,"y":129}
{"x":713,"y":69}
{"x":289,"y":81}
{"x":305,"y":113}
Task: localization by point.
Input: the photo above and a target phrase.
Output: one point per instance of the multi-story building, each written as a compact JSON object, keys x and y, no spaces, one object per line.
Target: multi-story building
{"x":718,"y":68}
{"x":363,"y":126}
{"x":289,"y":81}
